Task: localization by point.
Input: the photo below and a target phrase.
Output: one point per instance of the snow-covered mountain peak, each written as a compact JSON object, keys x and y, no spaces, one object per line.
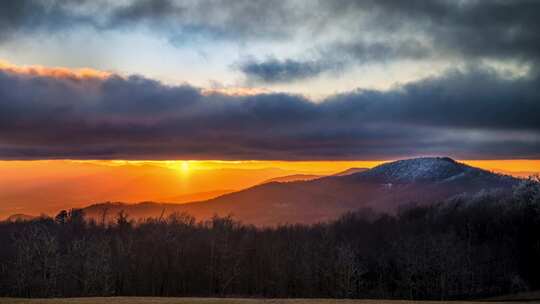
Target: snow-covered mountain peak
{"x":420,"y":169}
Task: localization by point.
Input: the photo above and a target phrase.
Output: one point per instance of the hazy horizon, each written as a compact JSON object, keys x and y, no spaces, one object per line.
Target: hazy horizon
{"x":65,"y":184}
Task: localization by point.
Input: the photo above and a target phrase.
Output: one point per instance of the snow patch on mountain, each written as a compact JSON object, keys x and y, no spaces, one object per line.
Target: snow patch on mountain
{"x":422,"y":169}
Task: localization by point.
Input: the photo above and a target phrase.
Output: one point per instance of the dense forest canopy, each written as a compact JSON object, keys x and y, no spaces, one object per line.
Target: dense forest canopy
{"x":465,"y":247}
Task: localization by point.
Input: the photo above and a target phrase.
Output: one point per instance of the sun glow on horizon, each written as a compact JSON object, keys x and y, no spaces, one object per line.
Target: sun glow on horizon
{"x":73,"y":183}
{"x":309,"y":167}
{"x":184,"y":166}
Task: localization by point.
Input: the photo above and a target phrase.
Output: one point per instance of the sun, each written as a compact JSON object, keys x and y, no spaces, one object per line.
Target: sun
{"x":184,"y":166}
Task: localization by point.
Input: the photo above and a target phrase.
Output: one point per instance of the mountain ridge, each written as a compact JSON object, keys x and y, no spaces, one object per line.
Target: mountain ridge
{"x":292,"y":178}
{"x":383,"y":188}
{"x":426,"y":169}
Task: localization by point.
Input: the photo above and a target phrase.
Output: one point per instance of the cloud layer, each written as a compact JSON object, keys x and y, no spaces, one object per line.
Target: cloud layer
{"x":277,"y":71}
{"x":336,"y":34}
{"x":486,"y":106}
{"x":474,"y":113}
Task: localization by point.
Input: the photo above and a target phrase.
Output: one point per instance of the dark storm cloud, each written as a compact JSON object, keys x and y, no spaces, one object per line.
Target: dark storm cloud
{"x":466,"y":30}
{"x":217,"y":19}
{"x":499,"y":29}
{"x":469,"y":114}
{"x":332,"y":58}
{"x":276,"y":71}
{"x":46,"y":16}
{"x":495,"y":29}
{"x":345,"y":33}
{"x":474,"y":98}
{"x":237,"y":21}
{"x":473,"y":113}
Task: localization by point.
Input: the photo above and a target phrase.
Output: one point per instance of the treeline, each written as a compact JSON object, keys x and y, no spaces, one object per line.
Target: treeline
{"x":484,"y":245}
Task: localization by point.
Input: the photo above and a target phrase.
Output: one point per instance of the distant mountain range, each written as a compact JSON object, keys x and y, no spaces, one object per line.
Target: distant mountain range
{"x":351,"y":171}
{"x":306,"y":177}
{"x":197,"y":196}
{"x":384,"y":188}
{"x":292,"y":178}
{"x":19,"y":217}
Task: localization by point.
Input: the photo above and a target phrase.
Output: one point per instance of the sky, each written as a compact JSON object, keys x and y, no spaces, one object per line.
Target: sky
{"x":269,"y":80}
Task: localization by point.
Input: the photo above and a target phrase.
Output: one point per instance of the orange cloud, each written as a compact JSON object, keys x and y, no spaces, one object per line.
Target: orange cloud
{"x":88,"y":73}
{"x":56,"y":72}
{"x":235,"y":91}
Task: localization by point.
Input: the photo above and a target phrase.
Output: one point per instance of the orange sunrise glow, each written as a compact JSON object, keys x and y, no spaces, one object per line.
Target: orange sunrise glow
{"x":58,"y":72}
{"x":76,"y":183}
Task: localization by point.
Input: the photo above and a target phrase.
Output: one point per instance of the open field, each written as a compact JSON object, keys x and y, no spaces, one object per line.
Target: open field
{"x":155,"y":300}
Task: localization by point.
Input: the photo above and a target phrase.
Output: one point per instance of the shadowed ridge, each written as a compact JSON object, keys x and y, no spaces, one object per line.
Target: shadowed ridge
{"x":292,"y":178}
{"x":350,"y":171}
{"x":19,"y":217}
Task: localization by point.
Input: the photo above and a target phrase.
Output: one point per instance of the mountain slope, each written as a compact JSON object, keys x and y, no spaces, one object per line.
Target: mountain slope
{"x":351,"y":171}
{"x":306,"y":177}
{"x":427,"y":169}
{"x":292,"y":178}
{"x":383,"y":188}
{"x":197,"y":196}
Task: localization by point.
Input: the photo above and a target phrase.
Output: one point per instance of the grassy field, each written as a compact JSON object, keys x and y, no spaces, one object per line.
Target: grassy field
{"x":149,"y":300}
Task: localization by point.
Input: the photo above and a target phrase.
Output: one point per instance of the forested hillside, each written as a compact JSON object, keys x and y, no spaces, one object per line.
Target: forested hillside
{"x":467,"y":247}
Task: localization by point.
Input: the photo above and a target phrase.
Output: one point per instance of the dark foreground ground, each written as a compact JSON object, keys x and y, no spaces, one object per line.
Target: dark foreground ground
{"x":150,"y":300}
